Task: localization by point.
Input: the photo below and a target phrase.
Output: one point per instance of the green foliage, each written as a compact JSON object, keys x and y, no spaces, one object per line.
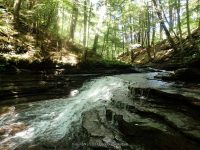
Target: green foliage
{"x":125,"y":22}
{"x":45,"y":14}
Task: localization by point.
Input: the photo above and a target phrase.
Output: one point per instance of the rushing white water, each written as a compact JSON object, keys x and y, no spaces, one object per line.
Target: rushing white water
{"x":51,"y":120}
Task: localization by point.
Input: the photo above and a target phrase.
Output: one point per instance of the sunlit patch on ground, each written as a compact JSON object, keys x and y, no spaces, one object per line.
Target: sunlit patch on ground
{"x":65,"y":57}
{"x":163,"y":54}
{"x":16,"y":46}
{"x":28,"y":55}
{"x":69,"y":59}
{"x":140,"y":56}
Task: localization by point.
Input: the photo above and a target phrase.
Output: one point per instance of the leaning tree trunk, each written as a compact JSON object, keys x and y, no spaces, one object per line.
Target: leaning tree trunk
{"x":159,"y":14}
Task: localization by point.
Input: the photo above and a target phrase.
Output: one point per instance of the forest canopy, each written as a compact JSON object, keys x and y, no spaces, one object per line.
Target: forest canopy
{"x":109,"y":27}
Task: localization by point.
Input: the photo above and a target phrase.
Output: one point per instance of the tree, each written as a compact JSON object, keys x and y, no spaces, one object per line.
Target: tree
{"x":17,"y":7}
{"x":74,"y":19}
{"x":153,"y":34}
{"x":171,"y":21}
{"x":131,"y":29}
{"x":85,"y":23}
{"x":159,"y":14}
{"x":89,"y":19}
{"x":178,"y":5}
{"x":148,"y":32}
{"x":99,"y":25}
{"x":188,"y":19}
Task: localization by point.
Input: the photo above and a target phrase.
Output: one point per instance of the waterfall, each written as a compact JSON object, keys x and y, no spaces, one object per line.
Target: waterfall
{"x":51,"y":120}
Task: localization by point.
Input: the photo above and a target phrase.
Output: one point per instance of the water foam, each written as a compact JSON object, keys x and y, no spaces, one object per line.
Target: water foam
{"x":51,"y":120}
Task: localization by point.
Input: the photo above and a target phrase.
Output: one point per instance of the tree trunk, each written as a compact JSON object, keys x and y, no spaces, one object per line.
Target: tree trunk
{"x":148,"y":27}
{"x":17,"y":7}
{"x":124,"y":34}
{"x":112,"y":52}
{"x":85,"y":23}
{"x":98,"y":27}
{"x":89,"y":18}
{"x":170,"y":39}
{"x":131,"y":29}
{"x":85,"y":29}
{"x":95,"y":43}
{"x":74,"y":20}
{"x":188,"y":19}
{"x":179,"y":24}
{"x":148,"y":33}
{"x":161,"y":32}
{"x":153,"y":35}
{"x":138,"y":37}
{"x":171,"y":23}
{"x":198,"y":12}
{"x":115,"y":43}
{"x":105,"y":39}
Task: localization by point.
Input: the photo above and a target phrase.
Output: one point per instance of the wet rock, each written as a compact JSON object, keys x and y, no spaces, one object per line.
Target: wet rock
{"x":2,"y":131}
{"x":109,"y":114}
{"x":153,"y":138}
{"x":164,"y":75}
{"x":175,"y":109}
{"x":134,"y":129}
{"x":176,"y":97}
{"x":92,"y":123}
{"x":31,"y":147}
{"x":100,"y":134}
{"x":117,"y":118}
{"x":34,"y":87}
{"x":139,"y":93}
{"x":184,"y":74}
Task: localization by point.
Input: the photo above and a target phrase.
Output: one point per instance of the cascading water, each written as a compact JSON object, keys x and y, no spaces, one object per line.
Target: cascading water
{"x":51,"y":120}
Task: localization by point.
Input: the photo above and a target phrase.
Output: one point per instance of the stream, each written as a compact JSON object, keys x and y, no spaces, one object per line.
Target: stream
{"x":128,"y":111}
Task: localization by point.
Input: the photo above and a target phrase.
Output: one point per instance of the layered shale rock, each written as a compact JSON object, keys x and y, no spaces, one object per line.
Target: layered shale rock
{"x":145,"y":118}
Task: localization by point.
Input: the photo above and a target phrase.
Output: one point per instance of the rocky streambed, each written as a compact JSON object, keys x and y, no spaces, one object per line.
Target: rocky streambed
{"x":129,"y":111}
{"x":157,"y":115}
